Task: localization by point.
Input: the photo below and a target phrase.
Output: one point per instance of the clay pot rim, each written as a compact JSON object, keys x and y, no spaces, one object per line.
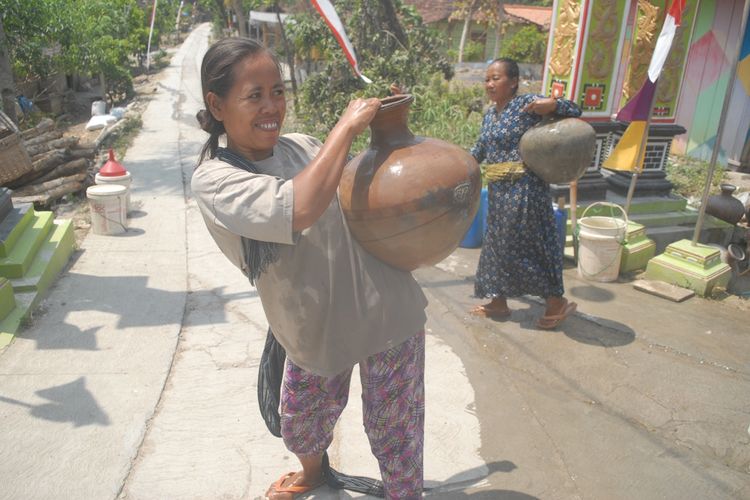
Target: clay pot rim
{"x":728,"y":187}
{"x":395,"y":100}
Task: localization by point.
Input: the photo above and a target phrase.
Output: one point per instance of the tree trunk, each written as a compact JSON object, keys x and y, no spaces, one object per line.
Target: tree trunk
{"x":241,"y":21}
{"x":465,"y":32}
{"x":394,"y":24}
{"x":289,"y":57}
{"x":103,"y":86}
{"x":7,"y":83}
{"x":499,"y":29}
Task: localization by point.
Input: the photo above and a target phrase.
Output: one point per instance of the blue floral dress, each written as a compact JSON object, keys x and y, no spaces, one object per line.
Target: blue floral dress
{"x":521,"y":253}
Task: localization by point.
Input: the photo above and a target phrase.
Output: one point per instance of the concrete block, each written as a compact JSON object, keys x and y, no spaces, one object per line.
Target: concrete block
{"x":24,"y":250}
{"x":13,"y":226}
{"x":7,"y":300}
{"x":698,"y":267}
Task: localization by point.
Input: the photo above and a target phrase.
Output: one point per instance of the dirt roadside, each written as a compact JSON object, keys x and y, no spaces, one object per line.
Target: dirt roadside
{"x":75,"y":206}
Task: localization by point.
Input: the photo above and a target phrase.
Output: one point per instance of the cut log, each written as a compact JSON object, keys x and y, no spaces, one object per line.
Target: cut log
{"x":89,"y":153}
{"x":49,"y":185}
{"x":85,"y":145}
{"x":52,"y":195}
{"x":44,"y":164}
{"x":48,"y":160}
{"x":62,"y":143}
{"x":43,"y":126}
{"x":72,"y":167}
{"x":42,"y":138}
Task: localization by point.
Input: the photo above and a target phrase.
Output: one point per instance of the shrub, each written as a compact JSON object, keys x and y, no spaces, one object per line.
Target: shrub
{"x":527,"y":45}
{"x":689,"y":176}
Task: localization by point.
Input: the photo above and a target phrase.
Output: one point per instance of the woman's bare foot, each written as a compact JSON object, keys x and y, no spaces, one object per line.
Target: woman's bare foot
{"x":497,"y":309}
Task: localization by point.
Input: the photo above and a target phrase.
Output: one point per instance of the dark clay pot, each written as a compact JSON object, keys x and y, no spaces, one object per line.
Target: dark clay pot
{"x":409,"y":200}
{"x":557,"y":149}
{"x":724,"y":206}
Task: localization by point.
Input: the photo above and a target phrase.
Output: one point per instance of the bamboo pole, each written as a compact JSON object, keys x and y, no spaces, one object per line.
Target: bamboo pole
{"x":641,"y":149}
{"x":574,"y":217}
{"x":720,"y":131}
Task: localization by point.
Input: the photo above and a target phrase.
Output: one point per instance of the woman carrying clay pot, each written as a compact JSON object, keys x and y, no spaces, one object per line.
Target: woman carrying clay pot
{"x":521,"y":253}
{"x":269,"y":201}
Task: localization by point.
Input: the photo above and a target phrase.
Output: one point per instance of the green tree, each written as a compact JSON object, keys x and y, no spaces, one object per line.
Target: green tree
{"x":382,"y":56}
{"x":528,"y":45}
{"x":94,"y":37}
{"x":488,"y":11}
{"x":7,"y":84}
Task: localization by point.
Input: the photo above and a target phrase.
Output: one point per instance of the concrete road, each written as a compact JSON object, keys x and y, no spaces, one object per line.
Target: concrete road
{"x":138,"y":378}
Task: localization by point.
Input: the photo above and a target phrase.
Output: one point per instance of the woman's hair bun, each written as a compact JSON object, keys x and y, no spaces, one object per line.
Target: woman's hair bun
{"x":204,"y":119}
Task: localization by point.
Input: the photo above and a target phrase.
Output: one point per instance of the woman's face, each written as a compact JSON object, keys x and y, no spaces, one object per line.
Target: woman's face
{"x":498,"y":86}
{"x":253,"y":109}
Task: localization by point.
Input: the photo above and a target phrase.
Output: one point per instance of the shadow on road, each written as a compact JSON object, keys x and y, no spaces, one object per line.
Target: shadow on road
{"x":70,"y":402}
{"x":456,"y":487}
{"x":115,"y":295}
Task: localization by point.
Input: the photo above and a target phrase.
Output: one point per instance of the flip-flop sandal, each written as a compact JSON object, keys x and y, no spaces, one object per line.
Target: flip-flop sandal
{"x":553,"y":320}
{"x":295,"y":490}
{"x":486,"y":312}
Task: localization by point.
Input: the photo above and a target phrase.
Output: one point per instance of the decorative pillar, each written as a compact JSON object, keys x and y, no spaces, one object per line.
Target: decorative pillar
{"x":591,"y":61}
{"x":584,"y":51}
{"x":648,"y":20}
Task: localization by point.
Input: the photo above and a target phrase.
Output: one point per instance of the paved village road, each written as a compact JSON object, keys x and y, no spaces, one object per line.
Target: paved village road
{"x":138,"y":380}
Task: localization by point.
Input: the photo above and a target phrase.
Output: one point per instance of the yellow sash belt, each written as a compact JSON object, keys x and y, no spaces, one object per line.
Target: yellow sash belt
{"x":505,"y":171}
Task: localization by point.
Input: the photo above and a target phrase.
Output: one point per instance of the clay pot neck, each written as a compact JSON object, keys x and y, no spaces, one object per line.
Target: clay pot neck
{"x":390,"y":125}
{"x":728,"y":189}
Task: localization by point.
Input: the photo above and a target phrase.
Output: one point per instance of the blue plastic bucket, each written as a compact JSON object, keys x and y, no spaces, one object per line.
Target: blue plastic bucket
{"x":561,"y":224}
{"x":483,"y":207}
{"x":473,"y":237}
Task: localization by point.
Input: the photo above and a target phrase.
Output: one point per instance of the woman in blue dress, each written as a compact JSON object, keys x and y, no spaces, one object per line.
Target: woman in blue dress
{"x":521,"y":253}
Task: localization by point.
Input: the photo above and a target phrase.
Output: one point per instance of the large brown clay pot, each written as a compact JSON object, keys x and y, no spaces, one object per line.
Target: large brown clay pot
{"x":558,"y":150}
{"x":409,"y":200}
{"x":724,"y":206}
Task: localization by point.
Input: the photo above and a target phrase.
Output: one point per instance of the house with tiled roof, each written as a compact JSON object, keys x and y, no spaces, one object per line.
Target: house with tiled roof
{"x":438,"y":15}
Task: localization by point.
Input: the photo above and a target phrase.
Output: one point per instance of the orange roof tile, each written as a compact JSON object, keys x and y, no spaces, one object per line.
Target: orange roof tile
{"x":541,"y":16}
{"x":439,"y":10}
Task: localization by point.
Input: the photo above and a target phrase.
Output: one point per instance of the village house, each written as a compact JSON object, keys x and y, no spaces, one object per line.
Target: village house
{"x":483,"y":42}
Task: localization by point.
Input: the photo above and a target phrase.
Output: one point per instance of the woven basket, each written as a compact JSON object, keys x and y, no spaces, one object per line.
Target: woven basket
{"x":14,"y":159}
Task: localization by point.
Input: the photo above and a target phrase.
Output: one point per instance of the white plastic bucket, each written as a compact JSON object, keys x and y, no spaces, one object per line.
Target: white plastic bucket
{"x":107,"y":203}
{"x":98,"y":108}
{"x":600,"y":241}
{"x":120,"y":180}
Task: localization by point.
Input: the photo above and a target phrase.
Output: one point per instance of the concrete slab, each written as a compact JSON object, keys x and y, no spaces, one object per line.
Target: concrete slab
{"x":664,"y":290}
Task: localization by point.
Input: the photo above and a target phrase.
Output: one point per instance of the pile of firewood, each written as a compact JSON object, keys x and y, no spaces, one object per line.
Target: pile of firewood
{"x":61,"y":165}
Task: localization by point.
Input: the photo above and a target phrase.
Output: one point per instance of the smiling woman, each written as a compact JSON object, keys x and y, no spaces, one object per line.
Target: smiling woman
{"x":254,"y":109}
{"x":270,"y":202}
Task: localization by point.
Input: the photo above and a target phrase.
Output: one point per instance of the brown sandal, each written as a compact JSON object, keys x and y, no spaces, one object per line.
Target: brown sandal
{"x":295,"y":490}
{"x":551,"y":321}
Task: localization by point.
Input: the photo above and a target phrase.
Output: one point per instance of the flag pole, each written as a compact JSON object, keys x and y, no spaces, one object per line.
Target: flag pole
{"x":574,"y":217}
{"x":150,"y":33}
{"x":639,"y":164}
{"x":720,"y":131}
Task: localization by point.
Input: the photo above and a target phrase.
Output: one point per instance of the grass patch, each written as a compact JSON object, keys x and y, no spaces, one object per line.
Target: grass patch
{"x":689,"y":176}
{"x":122,"y":137}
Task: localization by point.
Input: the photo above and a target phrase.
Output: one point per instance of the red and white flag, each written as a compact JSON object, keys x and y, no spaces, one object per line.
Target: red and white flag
{"x":325,"y":8}
{"x":629,"y":153}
